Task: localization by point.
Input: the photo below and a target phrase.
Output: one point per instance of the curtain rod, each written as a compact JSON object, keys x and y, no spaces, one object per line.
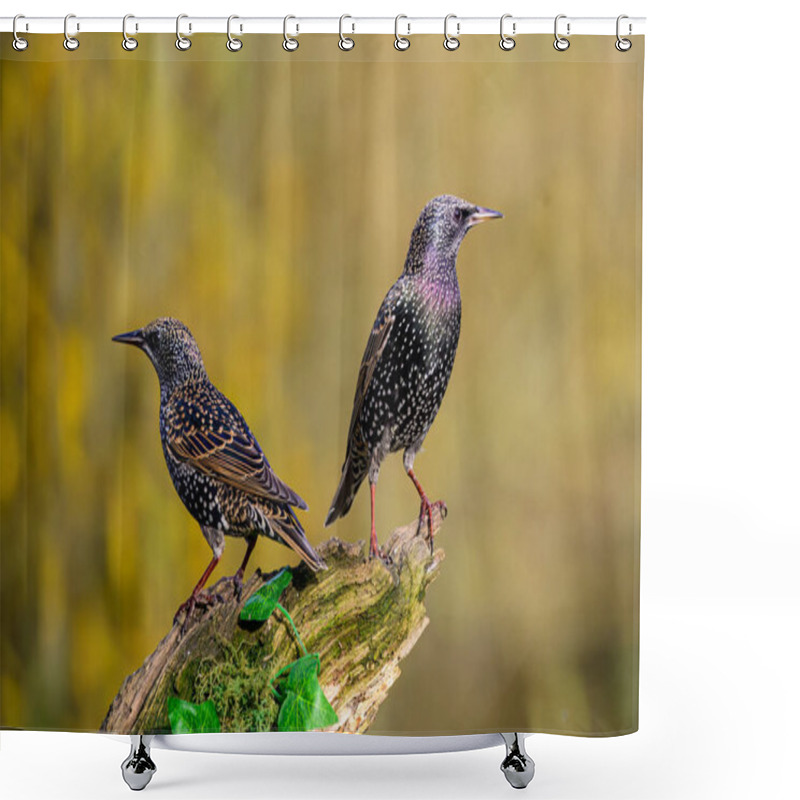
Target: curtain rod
{"x":406,"y":26}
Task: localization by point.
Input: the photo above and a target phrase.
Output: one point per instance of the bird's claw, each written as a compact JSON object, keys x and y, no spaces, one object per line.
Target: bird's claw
{"x":426,"y":515}
{"x":238,"y":585}
{"x":184,"y":608}
{"x":382,"y":556}
{"x":200,"y":600}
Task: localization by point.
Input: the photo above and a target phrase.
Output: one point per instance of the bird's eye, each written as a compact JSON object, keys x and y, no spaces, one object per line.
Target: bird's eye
{"x":459,"y":214}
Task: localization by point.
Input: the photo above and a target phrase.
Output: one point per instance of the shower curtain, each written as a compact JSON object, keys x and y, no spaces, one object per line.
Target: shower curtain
{"x":241,"y":216}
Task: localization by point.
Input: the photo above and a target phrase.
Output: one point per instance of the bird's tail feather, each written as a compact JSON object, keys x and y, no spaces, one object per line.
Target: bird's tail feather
{"x":292,"y":535}
{"x":348,"y":486}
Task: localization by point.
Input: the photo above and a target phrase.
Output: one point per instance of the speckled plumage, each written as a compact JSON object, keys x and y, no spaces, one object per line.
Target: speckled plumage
{"x":217,"y":467}
{"x":410,"y":353}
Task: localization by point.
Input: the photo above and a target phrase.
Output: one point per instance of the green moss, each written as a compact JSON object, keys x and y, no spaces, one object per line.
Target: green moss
{"x":237,"y":681}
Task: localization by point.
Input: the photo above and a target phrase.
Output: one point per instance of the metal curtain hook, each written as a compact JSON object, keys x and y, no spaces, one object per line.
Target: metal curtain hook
{"x":70,"y":42}
{"x":345,"y":42}
{"x":623,"y":45}
{"x":233,"y":44}
{"x":560,"y":44}
{"x":400,"y":42}
{"x":181,"y":42}
{"x":128,"y":42}
{"x":507,"y":42}
{"x":18,"y":42}
{"x":451,"y":42}
{"x":290,"y":44}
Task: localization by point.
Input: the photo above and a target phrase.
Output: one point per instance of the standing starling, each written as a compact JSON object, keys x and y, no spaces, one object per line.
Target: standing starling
{"x":409,"y":357}
{"x":217,"y":467}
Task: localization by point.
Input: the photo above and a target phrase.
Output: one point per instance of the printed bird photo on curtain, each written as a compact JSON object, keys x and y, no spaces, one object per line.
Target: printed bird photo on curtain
{"x":411,"y":447}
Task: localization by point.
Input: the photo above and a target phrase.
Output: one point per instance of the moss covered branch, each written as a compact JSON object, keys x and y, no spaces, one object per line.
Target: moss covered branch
{"x":361,"y":617}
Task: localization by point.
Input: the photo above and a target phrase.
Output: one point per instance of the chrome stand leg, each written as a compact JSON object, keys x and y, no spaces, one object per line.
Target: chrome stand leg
{"x":517,"y":766}
{"x":138,"y":768}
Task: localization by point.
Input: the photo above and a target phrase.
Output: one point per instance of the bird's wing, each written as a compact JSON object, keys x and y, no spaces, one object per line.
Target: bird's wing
{"x":204,"y":429}
{"x":376,"y":344}
{"x":356,"y":460}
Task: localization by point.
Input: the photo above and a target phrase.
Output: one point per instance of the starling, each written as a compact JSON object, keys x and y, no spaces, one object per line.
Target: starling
{"x":409,"y":357}
{"x":217,"y":467}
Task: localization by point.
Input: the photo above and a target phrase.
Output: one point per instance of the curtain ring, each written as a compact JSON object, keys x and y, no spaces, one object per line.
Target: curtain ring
{"x":128,"y":42}
{"x":560,"y":43}
{"x":400,"y":42}
{"x":18,"y":43}
{"x":181,"y":42}
{"x":623,"y":45}
{"x":233,"y":44}
{"x":70,"y":42}
{"x":451,"y":42}
{"x":290,"y":43}
{"x":507,"y":42}
{"x":345,"y":42}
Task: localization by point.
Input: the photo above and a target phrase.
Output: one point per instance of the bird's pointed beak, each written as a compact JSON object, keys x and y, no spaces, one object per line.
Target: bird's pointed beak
{"x":481,"y":214}
{"x":132,"y":337}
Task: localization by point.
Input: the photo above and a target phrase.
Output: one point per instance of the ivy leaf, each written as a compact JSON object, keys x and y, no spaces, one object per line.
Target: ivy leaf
{"x":304,"y":706}
{"x":261,"y":605}
{"x":186,"y":717}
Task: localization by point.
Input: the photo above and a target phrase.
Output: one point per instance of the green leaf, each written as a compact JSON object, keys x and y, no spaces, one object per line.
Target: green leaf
{"x":186,"y":717}
{"x":261,"y":605}
{"x":304,"y":706}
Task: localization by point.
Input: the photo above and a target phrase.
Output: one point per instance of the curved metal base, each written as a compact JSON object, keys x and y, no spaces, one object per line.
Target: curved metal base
{"x":138,"y":768}
{"x":319,"y":743}
{"x":517,"y":766}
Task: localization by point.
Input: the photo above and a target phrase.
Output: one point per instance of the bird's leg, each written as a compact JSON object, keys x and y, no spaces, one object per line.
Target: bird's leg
{"x":374,"y":552}
{"x":196,"y":598}
{"x":239,"y":576}
{"x":425,"y":506}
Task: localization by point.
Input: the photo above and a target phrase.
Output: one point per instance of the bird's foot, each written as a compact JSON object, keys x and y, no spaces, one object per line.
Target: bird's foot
{"x":199,"y":600}
{"x":237,"y":580}
{"x":380,"y":554}
{"x":426,"y":509}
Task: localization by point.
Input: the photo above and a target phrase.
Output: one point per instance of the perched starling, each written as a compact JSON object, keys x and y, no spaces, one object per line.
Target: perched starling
{"x":217,"y":467}
{"x":409,"y":356}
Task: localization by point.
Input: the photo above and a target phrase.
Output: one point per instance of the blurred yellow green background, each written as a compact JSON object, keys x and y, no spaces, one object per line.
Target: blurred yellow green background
{"x":266,"y":199}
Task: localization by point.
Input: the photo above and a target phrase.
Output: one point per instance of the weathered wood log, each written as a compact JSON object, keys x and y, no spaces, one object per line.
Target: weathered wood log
{"x":360,"y":616}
